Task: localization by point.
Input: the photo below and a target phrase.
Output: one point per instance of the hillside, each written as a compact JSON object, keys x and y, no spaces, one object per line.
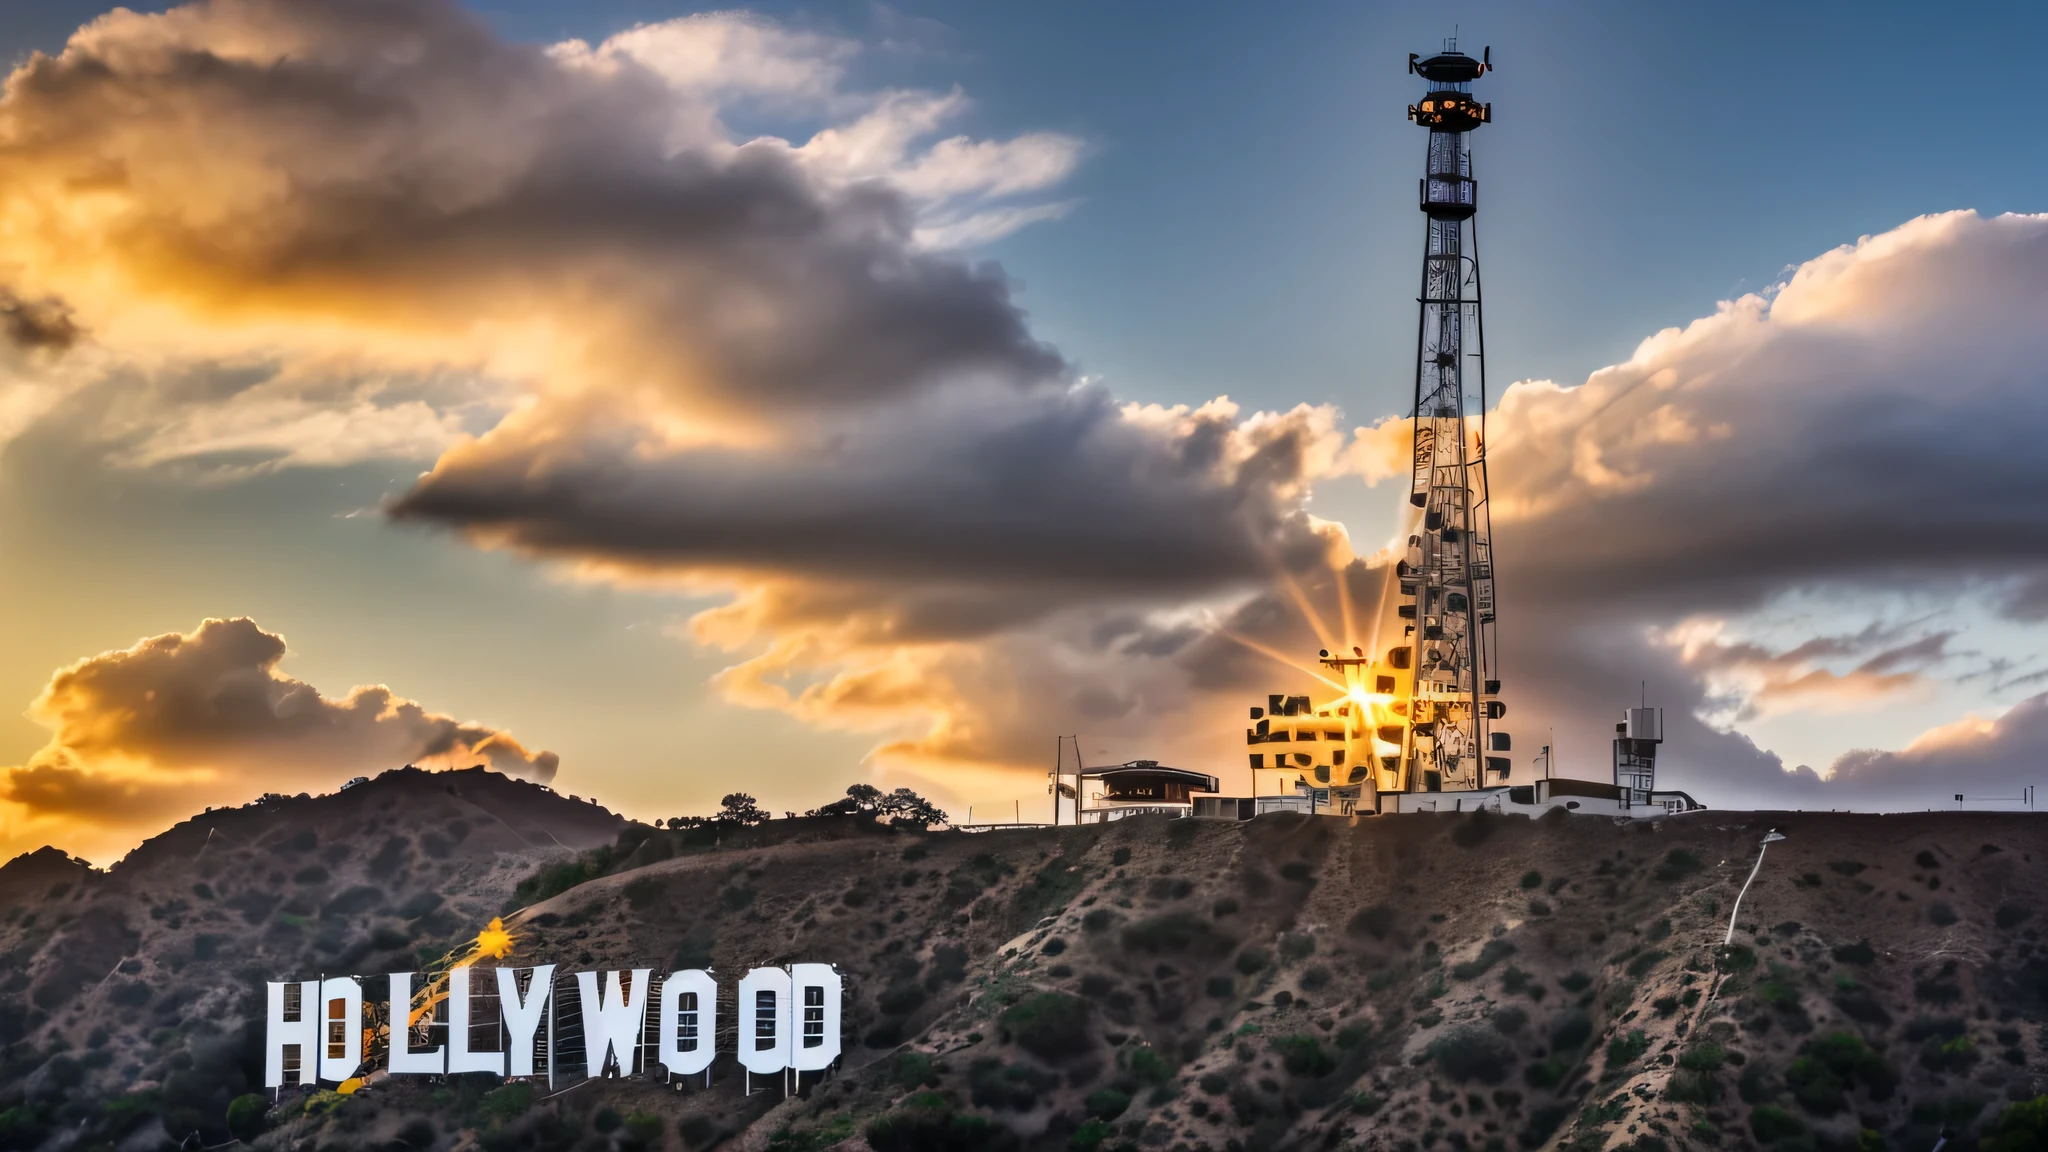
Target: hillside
{"x":121,"y":981}
{"x":1414,"y":982}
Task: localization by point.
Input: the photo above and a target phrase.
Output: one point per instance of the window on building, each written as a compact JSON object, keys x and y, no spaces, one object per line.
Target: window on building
{"x":764,"y":1021}
{"x":291,"y":1002}
{"x":337,"y":1029}
{"x":814,"y":1017}
{"x":686,"y":1023}
{"x":294,"y":1068}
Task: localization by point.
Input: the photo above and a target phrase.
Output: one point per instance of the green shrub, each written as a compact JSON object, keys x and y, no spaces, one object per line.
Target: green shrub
{"x":790,"y":1139}
{"x":1297,"y":945}
{"x":1952,"y":1054}
{"x":1570,"y":1031}
{"x":2022,"y":1127}
{"x":912,"y":1069}
{"x":1252,"y":960}
{"x":643,"y":1130}
{"x":1089,"y":1136}
{"x":1625,"y":1050}
{"x":1677,"y":865}
{"x":1351,"y":1036}
{"x":1576,"y":982}
{"x":1770,"y":1124}
{"x":1472,"y":1053}
{"x":245,"y":1116}
{"x":1173,"y":932}
{"x":1303,"y":1055}
{"x":1532,"y":879}
{"x":1365,"y":1103}
{"x":1508,"y":1021}
{"x":1050,"y":1025}
{"x":930,"y":1126}
{"x":1148,"y":1066}
{"x":1689,"y":1087}
{"x":1376,"y":922}
{"x":1830,"y":1065}
{"x":1705,"y":1056}
{"x":1120,"y":857}
{"x":1542,"y":1123}
{"x":1545,"y":1073}
{"x":1106,"y":1103}
{"x":1954,"y":1112}
{"x":503,"y":1104}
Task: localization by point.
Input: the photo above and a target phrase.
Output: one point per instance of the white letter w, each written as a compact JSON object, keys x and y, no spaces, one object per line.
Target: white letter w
{"x":612,"y":1021}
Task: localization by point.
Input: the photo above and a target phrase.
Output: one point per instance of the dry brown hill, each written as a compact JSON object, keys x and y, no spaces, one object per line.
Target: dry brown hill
{"x":1417,"y":982}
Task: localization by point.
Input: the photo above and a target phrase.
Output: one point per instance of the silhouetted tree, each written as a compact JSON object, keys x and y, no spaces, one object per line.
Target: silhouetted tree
{"x":740,"y":808}
{"x":908,"y":808}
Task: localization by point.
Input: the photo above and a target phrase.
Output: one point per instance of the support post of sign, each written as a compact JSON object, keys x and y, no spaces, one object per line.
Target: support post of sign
{"x":551,"y":1028}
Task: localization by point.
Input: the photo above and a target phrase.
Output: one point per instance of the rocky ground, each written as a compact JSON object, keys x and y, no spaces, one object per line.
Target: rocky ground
{"x":1414,"y":982}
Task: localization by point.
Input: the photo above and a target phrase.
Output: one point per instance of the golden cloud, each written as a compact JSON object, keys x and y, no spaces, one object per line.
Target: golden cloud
{"x":154,"y":731}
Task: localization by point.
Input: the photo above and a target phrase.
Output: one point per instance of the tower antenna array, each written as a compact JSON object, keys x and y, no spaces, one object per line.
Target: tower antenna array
{"x":1446,"y":579}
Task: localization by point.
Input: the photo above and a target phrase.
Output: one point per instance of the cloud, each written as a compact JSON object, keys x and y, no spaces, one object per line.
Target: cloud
{"x":253,"y":183}
{"x":36,"y":325}
{"x":1874,"y":418}
{"x":1862,"y":434}
{"x":1983,"y":759}
{"x":152,"y":732}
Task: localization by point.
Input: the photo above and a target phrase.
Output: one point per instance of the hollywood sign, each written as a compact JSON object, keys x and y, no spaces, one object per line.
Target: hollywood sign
{"x":789,"y":1020}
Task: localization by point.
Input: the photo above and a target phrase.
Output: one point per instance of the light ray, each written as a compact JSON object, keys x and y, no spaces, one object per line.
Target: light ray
{"x":1308,"y":611}
{"x":1276,"y":654}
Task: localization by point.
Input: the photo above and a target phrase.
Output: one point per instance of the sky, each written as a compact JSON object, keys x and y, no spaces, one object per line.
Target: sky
{"x":666,"y":404}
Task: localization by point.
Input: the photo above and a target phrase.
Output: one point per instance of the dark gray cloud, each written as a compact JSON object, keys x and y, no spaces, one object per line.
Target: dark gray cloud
{"x":396,"y":166}
{"x":36,"y":325}
{"x":1037,"y":498}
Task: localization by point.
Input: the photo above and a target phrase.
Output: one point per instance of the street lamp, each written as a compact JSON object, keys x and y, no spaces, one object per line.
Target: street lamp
{"x":1770,"y":838}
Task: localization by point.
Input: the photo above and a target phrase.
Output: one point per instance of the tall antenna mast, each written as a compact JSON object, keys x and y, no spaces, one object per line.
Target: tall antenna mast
{"x":1448,"y":572}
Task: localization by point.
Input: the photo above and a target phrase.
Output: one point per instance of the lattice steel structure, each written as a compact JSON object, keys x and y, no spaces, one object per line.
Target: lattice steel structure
{"x":1446,"y":580}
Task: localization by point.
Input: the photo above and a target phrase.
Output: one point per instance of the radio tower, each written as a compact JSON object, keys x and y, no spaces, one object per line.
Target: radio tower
{"x":1416,"y":719}
{"x":1447,"y":578}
